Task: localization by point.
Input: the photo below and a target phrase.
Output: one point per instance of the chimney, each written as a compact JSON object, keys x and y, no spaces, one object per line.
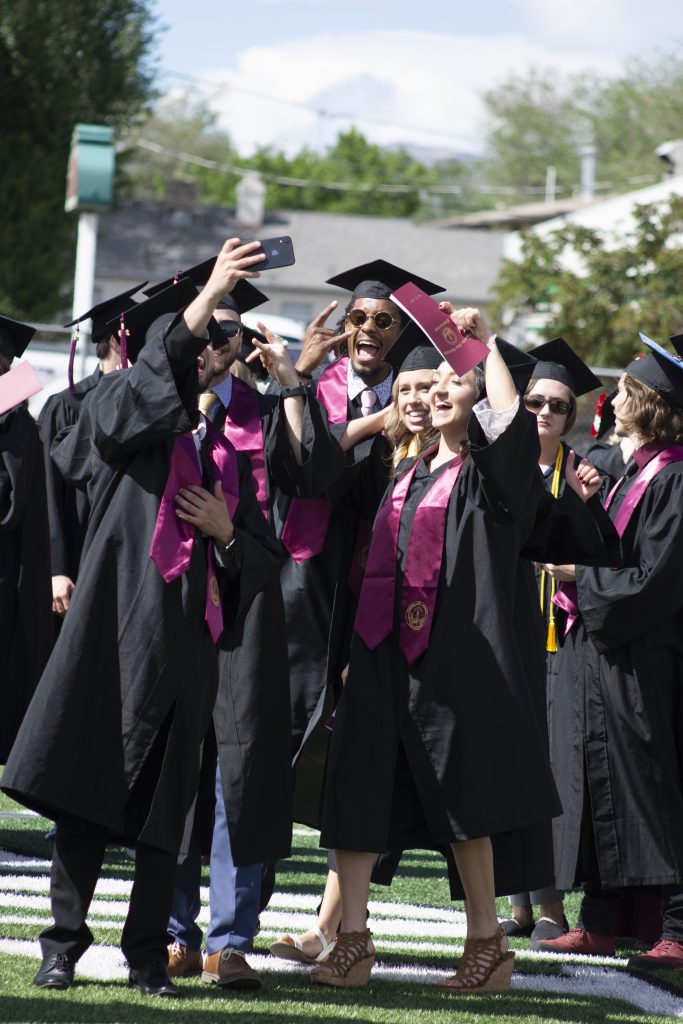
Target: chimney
{"x":588,"y":155}
{"x":251,"y":195}
{"x":672,"y":154}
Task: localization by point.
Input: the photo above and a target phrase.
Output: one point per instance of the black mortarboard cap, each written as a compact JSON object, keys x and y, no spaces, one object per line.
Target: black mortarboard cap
{"x":242,"y":298}
{"x":140,"y":318}
{"x":378,"y":279}
{"x":14,"y":337}
{"x":556,"y":360}
{"x":104,"y":312}
{"x":522,"y":365}
{"x":422,"y":357}
{"x":661,"y":370}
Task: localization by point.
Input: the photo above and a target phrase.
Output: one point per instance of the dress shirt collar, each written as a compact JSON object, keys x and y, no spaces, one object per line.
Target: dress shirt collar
{"x":356,"y":384}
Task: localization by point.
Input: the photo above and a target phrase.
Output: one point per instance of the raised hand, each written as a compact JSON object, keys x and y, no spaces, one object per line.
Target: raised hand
{"x":235,"y":262}
{"x":584,"y":479}
{"x":319,"y":341}
{"x":470,"y":321}
{"x":275,"y":357}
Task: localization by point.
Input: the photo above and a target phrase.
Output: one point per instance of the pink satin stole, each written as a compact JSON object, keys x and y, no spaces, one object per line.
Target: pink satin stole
{"x":309,"y":518}
{"x":173,"y":539}
{"x":374,"y":618}
{"x":566,"y":596}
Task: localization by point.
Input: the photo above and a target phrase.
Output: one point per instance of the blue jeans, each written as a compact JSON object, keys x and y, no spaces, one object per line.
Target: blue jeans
{"x":234,"y":893}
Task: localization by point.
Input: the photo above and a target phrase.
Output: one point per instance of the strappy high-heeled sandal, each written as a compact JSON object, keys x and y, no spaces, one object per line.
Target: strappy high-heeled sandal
{"x":349,"y":964}
{"x":484,"y":967}
{"x":290,"y":947}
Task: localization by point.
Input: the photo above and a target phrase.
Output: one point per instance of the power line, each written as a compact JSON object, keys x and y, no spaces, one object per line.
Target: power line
{"x":321,"y":111}
{"x":345,"y":186}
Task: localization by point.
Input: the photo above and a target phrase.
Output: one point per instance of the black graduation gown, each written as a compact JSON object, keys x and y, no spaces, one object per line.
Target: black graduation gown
{"x":454,"y":746}
{"x":252,"y":713}
{"x":25,"y":590}
{"x":67,"y":506}
{"x":615,"y":713}
{"x":320,"y":604}
{"x":114,"y":732}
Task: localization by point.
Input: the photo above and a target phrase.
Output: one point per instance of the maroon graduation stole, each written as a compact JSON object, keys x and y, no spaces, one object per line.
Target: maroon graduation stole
{"x":173,"y":539}
{"x":566,"y":597}
{"x":307,"y":520}
{"x":375,"y":615}
{"x":243,"y":418}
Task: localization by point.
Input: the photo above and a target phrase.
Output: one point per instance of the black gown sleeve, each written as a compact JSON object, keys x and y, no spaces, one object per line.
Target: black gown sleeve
{"x":155,"y":399}
{"x":19,"y":456}
{"x":54,"y":417}
{"x":570,"y":531}
{"x":323,"y":459}
{"x":507,"y":478}
{"x":618,"y":605}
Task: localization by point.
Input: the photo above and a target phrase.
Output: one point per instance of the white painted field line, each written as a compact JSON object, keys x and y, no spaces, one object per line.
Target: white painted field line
{"x":105,"y":962}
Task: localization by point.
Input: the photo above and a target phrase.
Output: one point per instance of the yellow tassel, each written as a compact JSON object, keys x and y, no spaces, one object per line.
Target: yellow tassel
{"x":551,"y":643}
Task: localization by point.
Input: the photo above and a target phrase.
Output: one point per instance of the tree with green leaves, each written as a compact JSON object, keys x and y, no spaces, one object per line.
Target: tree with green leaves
{"x":542,"y":118}
{"x":619,"y":288}
{"x":188,"y":127}
{"x":83,"y":61}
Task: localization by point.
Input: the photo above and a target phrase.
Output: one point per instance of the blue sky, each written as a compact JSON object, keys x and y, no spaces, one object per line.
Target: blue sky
{"x":402,"y":71}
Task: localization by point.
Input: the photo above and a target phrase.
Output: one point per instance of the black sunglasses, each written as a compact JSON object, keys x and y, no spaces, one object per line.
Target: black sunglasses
{"x":383,"y":320}
{"x":535,"y":403}
{"x":230,"y":328}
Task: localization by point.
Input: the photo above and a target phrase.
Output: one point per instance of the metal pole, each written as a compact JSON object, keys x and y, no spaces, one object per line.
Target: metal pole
{"x":84,"y":281}
{"x":550,"y":183}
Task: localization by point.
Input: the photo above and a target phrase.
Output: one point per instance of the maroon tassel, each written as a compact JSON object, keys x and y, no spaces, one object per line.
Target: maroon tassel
{"x":72,"y":356}
{"x":123,"y":345}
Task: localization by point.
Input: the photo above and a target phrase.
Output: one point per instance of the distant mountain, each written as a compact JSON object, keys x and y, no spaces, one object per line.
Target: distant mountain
{"x":430,"y":155}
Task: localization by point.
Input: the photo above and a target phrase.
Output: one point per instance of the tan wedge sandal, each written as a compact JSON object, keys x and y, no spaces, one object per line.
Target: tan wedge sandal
{"x":349,"y":964}
{"x":484,"y":967}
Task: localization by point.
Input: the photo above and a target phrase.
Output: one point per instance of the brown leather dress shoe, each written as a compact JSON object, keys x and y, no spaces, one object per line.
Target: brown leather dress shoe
{"x":229,"y":969}
{"x":183,"y":962}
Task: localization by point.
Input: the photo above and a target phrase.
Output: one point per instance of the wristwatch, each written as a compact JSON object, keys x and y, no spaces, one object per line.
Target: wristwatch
{"x":293,"y":392}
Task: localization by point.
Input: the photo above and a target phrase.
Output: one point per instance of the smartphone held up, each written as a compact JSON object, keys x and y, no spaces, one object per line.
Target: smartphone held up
{"x":279,"y":252}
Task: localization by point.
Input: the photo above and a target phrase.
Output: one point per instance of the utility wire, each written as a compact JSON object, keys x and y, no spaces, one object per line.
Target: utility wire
{"x":346,"y":186}
{"x":323,"y":112}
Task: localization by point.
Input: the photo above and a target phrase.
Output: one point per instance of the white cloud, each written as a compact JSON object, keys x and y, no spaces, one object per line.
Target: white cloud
{"x":624,"y":26}
{"x":428,"y":84}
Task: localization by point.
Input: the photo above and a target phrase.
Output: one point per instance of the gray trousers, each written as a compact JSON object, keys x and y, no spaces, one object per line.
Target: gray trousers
{"x":526,"y":899}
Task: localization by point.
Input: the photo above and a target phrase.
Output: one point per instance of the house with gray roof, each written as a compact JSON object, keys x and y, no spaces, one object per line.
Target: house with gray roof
{"x":150,"y":240}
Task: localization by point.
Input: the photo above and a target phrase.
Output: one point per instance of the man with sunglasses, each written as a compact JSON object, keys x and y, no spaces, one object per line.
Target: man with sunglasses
{"x":327,"y":538}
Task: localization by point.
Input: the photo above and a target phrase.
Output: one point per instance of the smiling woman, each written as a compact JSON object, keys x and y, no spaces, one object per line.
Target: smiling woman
{"x":436,"y":735}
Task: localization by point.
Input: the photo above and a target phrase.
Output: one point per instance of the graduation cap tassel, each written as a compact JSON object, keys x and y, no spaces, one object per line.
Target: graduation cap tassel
{"x":72,"y":356}
{"x":123,"y":346}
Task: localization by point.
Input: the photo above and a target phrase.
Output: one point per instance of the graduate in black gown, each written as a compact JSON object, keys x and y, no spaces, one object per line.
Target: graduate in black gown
{"x":111,"y":743}
{"x":615,"y":705}
{"x":439,"y":737}
{"x":328,"y":537}
{"x":68,"y":508}
{"x":557,"y":380}
{"x":288,"y":445}
{"x":25,"y":629}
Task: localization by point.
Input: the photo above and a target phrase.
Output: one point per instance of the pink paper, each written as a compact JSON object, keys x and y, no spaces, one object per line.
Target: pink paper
{"x":461,"y":351}
{"x":18,"y":384}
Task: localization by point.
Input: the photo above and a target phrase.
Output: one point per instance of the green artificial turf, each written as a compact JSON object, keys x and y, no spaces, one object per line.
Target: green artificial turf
{"x":421,"y":882}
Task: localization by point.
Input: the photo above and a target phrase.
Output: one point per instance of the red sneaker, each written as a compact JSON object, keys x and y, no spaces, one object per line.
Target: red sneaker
{"x":665,"y":953}
{"x":578,"y":940}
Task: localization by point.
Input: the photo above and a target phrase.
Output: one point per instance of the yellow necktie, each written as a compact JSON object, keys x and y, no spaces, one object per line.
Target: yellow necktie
{"x":207,"y":401}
